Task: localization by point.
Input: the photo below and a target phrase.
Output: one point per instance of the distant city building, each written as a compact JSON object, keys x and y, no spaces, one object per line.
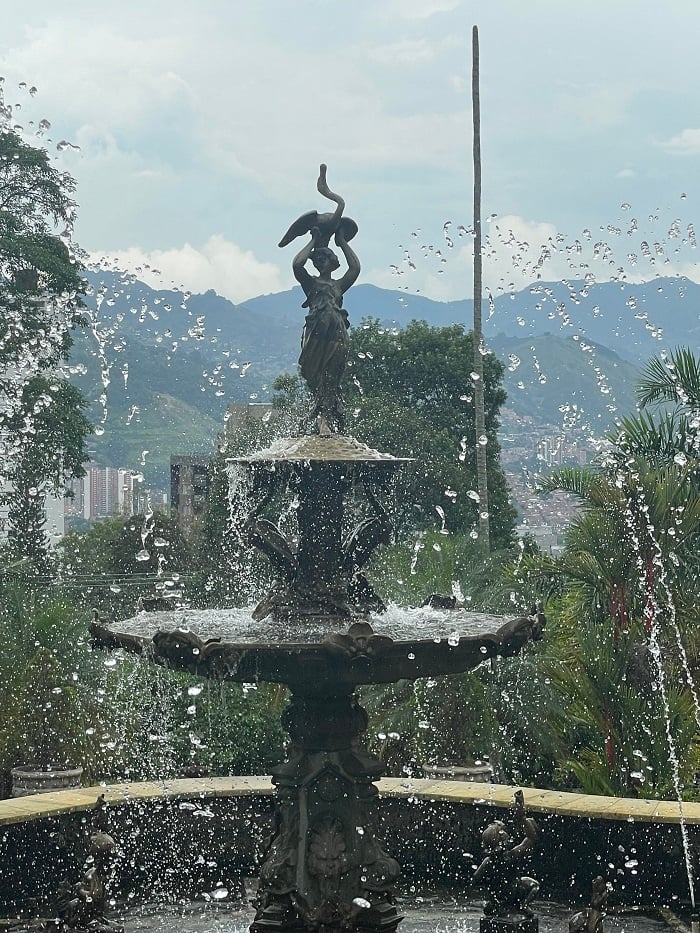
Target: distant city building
{"x":190,"y":478}
{"x":558,"y":450}
{"x":545,"y":537}
{"x":106,"y":492}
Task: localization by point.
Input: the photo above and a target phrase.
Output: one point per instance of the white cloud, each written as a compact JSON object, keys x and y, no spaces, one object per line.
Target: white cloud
{"x":404,"y":52}
{"x":108,"y":78}
{"x":232,"y":272}
{"x":686,"y":142}
{"x":626,"y":173}
{"x":518,"y":252}
{"x":596,"y":106}
{"x":422,"y":9}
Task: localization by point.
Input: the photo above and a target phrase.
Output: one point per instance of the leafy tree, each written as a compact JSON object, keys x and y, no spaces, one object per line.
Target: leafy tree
{"x":410,"y":393}
{"x":117,"y":560}
{"x":46,"y":684}
{"x":617,"y":725}
{"x":49,"y":431}
{"x":675,"y":379}
{"x":151,"y":543}
{"x":40,"y":283}
{"x":456,"y":723}
{"x":661,"y":434}
{"x":42,"y":424}
{"x":86,"y":560}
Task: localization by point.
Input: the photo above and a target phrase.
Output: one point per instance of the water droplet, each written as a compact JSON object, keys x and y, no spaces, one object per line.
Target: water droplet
{"x":361,"y":902}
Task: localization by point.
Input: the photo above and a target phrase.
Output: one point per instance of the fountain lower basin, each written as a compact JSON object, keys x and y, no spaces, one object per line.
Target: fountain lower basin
{"x":432,"y":823}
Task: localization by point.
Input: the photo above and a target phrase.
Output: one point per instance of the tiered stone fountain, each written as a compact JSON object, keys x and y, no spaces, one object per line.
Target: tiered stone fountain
{"x":322,"y":629}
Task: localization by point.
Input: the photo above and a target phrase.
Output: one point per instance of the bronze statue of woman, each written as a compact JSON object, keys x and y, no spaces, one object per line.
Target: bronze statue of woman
{"x":325,"y":343}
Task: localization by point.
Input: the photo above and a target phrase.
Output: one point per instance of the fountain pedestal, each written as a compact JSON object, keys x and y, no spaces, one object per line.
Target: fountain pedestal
{"x":324,"y":868}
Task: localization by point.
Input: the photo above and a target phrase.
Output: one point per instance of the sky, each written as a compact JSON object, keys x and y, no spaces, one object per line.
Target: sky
{"x":201,"y":127}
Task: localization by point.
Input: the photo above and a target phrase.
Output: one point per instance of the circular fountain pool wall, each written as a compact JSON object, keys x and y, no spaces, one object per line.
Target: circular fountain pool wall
{"x":183,"y":839}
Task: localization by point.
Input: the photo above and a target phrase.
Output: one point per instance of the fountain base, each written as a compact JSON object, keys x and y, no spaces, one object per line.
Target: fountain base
{"x":324,"y":869}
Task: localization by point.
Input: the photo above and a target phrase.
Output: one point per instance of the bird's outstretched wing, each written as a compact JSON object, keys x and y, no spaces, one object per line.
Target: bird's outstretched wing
{"x":325,"y":224}
{"x":300,"y":226}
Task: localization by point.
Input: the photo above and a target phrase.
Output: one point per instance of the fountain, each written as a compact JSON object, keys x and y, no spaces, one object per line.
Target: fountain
{"x":322,"y":629}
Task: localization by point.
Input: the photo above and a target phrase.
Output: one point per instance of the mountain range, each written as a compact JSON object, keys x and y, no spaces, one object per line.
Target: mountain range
{"x":572,"y":352}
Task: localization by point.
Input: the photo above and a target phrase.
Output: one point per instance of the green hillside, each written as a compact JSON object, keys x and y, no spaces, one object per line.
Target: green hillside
{"x":555,"y":380}
{"x":171,"y":373}
{"x":168,"y":425}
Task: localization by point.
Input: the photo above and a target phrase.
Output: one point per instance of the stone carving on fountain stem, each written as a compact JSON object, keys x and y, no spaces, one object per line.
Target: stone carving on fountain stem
{"x":324,"y":581}
{"x":339,"y":876}
{"x":325,"y":344}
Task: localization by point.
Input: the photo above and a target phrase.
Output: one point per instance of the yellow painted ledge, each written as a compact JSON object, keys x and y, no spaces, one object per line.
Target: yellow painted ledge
{"x":585,"y":806}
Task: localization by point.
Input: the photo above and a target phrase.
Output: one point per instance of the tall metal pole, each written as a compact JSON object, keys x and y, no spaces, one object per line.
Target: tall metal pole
{"x":479,"y":410}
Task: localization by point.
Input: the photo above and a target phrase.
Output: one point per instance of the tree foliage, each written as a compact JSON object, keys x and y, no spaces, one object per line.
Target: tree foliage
{"x":40,"y":283}
{"x":627,"y":585}
{"x":410,"y":393}
{"x":42,"y":421}
{"x":118,"y":560}
{"x":49,"y":438}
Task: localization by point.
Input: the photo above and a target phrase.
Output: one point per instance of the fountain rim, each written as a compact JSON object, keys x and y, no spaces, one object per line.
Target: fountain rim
{"x":319,"y":448}
{"x":500,"y":796}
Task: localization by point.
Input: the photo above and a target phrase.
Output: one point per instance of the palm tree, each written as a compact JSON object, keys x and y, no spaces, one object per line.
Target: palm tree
{"x":660,"y":435}
{"x":629,"y":581}
{"x":675,"y":378}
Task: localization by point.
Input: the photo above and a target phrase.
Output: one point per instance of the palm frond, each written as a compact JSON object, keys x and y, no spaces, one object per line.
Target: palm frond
{"x":659,"y":441}
{"x":676,"y":380}
{"x":575,"y":480}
